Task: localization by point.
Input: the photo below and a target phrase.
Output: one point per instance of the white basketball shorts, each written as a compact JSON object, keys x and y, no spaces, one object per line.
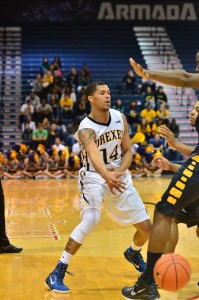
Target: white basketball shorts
{"x":125,"y":209}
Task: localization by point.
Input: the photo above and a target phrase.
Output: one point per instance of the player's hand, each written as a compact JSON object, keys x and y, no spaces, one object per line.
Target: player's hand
{"x":138,"y":69}
{"x":161,"y":162}
{"x":168,"y":135}
{"x":113,"y":182}
{"x":1,"y":169}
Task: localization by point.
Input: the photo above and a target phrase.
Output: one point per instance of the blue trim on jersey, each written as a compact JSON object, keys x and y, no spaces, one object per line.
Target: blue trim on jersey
{"x":85,"y":198}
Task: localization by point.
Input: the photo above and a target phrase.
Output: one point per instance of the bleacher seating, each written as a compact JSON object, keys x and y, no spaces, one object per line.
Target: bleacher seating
{"x":105,"y":49}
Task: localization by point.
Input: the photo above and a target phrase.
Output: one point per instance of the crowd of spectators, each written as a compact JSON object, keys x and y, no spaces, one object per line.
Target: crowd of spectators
{"x":56,"y":105}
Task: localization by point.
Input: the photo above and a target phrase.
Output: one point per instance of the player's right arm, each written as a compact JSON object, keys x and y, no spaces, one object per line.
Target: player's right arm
{"x":168,"y":135}
{"x":87,"y":140}
{"x":177,"y":78}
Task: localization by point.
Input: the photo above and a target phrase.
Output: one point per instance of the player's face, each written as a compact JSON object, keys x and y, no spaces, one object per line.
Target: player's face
{"x":194,"y":114}
{"x":102,"y":98}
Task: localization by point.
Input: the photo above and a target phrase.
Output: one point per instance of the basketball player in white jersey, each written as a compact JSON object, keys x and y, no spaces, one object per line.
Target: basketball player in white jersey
{"x":104,"y":177}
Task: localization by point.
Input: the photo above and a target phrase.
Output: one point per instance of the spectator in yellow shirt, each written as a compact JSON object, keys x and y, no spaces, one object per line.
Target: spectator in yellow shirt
{"x":144,"y":128}
{"x":148,"y":113}
{"x":163,"y":113}
{"x":66,"y":105}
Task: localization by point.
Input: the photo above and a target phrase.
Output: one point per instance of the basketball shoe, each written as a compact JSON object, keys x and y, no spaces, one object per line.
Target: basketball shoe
{"x":10,"y":249}
{"x":55,"y":279}
{"x":141,"y":290}
{"x":135,"y":258}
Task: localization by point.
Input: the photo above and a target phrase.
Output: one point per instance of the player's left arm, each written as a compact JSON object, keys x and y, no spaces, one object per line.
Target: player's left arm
{"x":126,"y":148}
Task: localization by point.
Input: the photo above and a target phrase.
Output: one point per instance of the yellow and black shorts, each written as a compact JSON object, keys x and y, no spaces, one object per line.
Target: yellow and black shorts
{"x":183,"y":190}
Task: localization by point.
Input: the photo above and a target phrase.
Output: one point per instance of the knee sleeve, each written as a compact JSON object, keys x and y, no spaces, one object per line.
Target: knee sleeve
{"x":90,"y":219}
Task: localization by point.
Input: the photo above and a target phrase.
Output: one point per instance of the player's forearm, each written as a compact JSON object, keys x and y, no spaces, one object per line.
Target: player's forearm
{"x":170,"y":77}
{"x":126,"y":161}
{"x":184,"y":149}
{"x":174,"y":167}
{"x":97,"y":162}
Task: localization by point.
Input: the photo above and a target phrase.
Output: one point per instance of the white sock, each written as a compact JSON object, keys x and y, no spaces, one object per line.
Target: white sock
{"x":136,"y":248}
{"x":66,"y":257}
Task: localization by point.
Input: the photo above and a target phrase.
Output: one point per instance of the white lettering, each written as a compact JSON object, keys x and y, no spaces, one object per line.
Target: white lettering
{"x":188,"y":12}
{"x":140,"y":12}
{"x":106,"y":12}
{"x":173,"y":12}
{"x":122,"y":12}
{"x":159,"y":12}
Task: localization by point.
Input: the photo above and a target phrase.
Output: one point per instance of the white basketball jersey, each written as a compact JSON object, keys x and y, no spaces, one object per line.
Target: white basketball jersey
{"x":108,"y":139}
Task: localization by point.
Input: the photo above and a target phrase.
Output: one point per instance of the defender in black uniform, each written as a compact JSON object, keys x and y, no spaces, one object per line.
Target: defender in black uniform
{"x":182,"y":192}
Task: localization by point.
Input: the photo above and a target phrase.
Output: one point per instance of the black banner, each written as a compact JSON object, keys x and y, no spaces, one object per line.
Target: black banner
{"x":59,"y":11}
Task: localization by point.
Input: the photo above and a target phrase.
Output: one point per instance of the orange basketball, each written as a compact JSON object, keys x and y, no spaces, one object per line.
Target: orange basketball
{"x":172,"y":272}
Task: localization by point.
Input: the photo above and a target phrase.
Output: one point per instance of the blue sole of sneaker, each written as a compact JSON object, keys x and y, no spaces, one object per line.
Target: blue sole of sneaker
{"x":57,"y":291}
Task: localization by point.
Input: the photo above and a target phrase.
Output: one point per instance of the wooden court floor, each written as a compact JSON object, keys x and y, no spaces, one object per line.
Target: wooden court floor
{"x":40,"y":216}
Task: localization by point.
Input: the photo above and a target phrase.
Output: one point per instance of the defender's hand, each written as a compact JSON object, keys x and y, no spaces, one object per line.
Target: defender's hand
{"x":161,"y":162}
{"x":138,"y":69}
{"x":168,"y":135}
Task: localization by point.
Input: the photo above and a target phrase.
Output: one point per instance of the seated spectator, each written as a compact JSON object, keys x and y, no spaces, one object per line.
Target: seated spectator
{"x":58,"y":145}
{"x":157,"y":143}
{"x":37,"y":85}
{"x":47,"y":82}
{"x":149,"y":97}
{"x":57,"y":61}
{"x":39,"y":136}
{"x":145,"y":84}
{"x":163,"y":113}
{"x":76,"y":149}
{"x":27,"y":109}
{"x":160,"y":97}
{"x":53,"y":133}
{"x":44,"y":65}
{"x":84,"y":80}
{"x":73,"y":79}
{"x":57,"y":79}
{"x":71,"y":129}
{"x":155,"y":125}
{"x":174,"y":128}
{"x":66,"y":107}
{"x":87,"y":71}
{"x":27,"y":129}
{"x":119,"y":106}
{"x":44,"y":110}
{"x":133,"y":117}
{"x":129,"y":82}
{"x":144,"y":128}
{"x":73,"y":164}
{"x":46,"y":124}
{"x":54,"y":103}
{"x":12,"y":169}
{"x":35,"y":101}
{"x":32,"y":166}
{"x":57,"y":65}
{"x":56,"y":92}
{"x":67,"y":90}
{"x":148,"y":113}
{"x":82,"y":108}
